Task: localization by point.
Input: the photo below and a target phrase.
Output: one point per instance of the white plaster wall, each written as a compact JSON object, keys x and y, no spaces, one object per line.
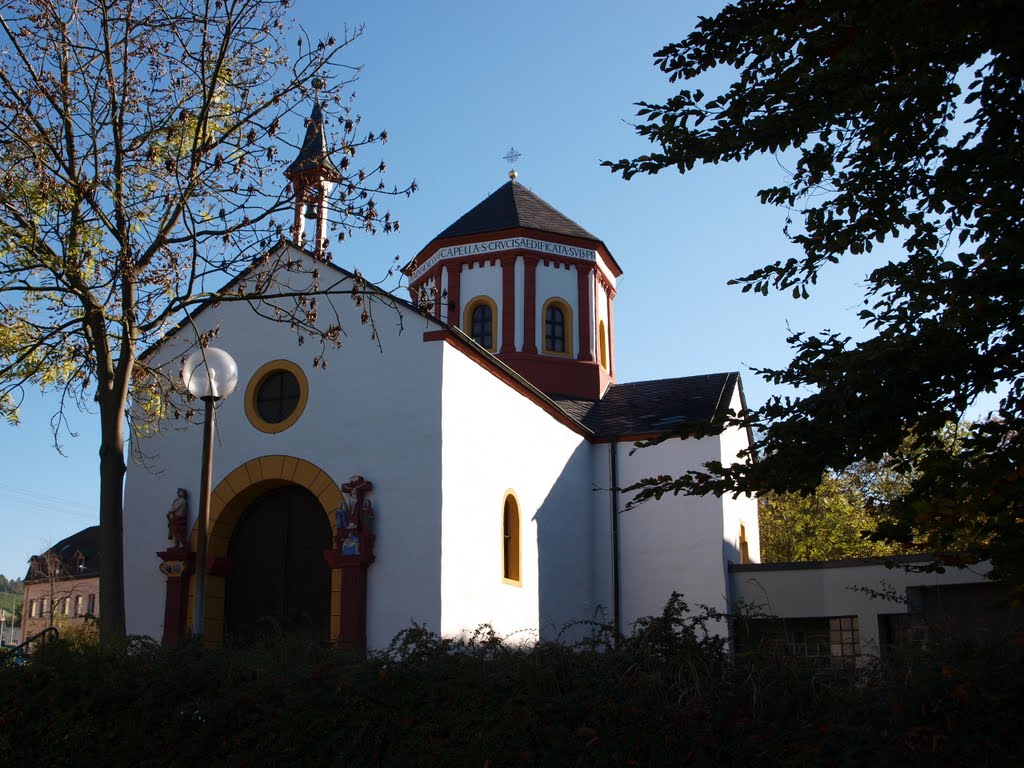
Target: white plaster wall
{"x":605,"y":271}
{"x":496,"y":439}
{"x":555,"y":281}
{"x":446,"y":314}
{"x":481,"y":281}
{"x":370,"y":413}
{"x":742,"y":509}
{"x":791,"y":591}
{"x":673,"y":544}
{"x":601,"y":545}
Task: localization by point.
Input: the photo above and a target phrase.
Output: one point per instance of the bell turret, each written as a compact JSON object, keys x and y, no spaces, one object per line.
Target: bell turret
{"x":312,"y":178}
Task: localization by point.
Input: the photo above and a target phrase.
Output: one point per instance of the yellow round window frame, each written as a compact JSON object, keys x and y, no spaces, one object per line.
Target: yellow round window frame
{"x":253,"y":389}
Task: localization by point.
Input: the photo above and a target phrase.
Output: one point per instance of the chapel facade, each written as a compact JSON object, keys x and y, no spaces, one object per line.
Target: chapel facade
{"x":458,"y":466}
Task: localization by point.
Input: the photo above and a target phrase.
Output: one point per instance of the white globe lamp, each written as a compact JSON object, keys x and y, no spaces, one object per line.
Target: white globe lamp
{"x":211,"y":375}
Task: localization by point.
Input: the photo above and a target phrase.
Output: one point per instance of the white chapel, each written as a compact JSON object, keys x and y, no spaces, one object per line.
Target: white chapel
{"x":457,"y":466}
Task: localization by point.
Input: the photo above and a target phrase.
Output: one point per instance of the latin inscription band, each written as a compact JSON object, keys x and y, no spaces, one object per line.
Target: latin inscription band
{"x":505,"y":244}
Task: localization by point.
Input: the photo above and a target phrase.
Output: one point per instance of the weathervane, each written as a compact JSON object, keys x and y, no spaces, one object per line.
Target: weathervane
{"x":511,"y":158}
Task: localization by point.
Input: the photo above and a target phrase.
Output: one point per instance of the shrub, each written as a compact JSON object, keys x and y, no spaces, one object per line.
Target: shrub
{"x":667,"y":694}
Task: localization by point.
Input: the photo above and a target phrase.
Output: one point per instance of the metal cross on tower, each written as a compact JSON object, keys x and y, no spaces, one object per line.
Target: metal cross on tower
{"x":511,"y":158}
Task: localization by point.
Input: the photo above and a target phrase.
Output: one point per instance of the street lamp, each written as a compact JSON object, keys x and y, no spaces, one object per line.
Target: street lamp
{"x":209,"y":374}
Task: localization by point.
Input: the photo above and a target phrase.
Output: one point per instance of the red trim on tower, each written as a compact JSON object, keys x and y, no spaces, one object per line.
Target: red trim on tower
{"x":530,"y":304}
{"x":508,"y":304}
{"x":586,"y":318}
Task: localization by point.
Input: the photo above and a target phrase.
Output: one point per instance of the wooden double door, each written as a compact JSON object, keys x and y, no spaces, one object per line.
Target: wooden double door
{"x":279,"y":583}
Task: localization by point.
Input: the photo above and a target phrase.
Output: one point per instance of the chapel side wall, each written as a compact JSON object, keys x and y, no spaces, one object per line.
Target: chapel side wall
{"x":601,"y":544}
{"x":739,"y":512}
{"x":672,"y":544}
{"x":496,"y":439}
{"x":369,"y":413}
{"x":835,"y":589}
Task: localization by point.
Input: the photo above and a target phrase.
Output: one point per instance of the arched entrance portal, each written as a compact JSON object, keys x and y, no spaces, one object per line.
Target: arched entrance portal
{"x":232,"y":497}
{"x":279,"y":581}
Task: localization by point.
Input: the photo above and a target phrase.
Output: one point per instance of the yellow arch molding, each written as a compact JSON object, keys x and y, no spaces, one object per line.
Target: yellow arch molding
{"x":227,"y":502}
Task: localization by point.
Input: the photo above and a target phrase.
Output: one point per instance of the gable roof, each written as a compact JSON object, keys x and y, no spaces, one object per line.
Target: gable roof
{"x":216,"y":296}
{"x":653,"y":407}
{"x":510,"y":206}
{"x":86,"y":542}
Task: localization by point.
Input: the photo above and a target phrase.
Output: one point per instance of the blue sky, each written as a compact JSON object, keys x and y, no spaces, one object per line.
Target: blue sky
{"x":456,"y":84}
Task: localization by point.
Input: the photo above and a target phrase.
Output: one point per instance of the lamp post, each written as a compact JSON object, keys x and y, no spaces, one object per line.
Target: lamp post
{"x":209,"y":374}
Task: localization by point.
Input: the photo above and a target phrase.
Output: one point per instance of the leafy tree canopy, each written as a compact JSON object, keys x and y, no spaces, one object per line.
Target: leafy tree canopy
{"x":141,"y":149}
{"x":12,"y":586}
{"x":904,"y":124}
{"x":832,"y":523}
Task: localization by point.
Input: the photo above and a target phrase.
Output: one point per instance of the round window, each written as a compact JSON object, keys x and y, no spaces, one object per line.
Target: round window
{"x":276,"y":396}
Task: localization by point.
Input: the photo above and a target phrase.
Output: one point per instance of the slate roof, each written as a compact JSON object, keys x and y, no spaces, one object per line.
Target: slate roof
{"x":86,"y":541}
{"x":313,"y":155}
{"x":510,"y":206}
{"x":651,"y":407}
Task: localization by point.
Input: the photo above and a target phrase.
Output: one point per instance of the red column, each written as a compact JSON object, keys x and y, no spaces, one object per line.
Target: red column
{"x":454,"y":283}
{"x":586,"y":315}
{"x":508,"y":304}
{"x":176,"y":565}
{"x":530,"y":305}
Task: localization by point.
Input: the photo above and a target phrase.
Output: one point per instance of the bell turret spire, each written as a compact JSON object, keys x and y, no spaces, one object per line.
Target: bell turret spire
{"x":312,"y":176}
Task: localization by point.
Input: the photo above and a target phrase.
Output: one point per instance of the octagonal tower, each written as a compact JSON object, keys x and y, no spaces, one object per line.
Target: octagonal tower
{"x":529,"y":285}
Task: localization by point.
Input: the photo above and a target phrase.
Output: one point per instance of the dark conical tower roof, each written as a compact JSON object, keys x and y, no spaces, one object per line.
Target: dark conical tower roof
{"x":510,"y":206}
{"x":314,"y":156}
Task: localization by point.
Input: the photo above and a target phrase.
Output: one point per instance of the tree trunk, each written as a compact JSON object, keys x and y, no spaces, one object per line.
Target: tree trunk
{"x":112,"y":469}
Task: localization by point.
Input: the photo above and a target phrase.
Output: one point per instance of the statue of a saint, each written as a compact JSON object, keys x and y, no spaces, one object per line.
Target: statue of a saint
{"x":177,"y":519}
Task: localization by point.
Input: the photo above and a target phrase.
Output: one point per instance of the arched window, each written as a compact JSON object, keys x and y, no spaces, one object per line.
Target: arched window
{"x":557,"y":327}
{"x":602,"y":345}
{"x":478,"y":321}
{"x":511,"y":553}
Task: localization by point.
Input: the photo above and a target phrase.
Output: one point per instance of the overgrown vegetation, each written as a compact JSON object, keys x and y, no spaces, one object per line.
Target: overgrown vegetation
{"x":899,"y":123}
{"x":670,"y":694}
{"x":11,"y":591}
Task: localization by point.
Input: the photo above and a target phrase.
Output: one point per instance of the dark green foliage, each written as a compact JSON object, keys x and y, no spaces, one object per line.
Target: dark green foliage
{"x":667,"y":695}
{"x":902,"y":122}
{"x":12,"y":586}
